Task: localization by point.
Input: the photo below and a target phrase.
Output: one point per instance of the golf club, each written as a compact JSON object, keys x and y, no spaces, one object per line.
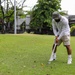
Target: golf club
{"x":52,"y":53}
{"x":54,"y":48}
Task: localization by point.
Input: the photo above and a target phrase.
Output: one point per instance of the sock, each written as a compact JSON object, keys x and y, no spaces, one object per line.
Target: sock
{"x":69,"y":56}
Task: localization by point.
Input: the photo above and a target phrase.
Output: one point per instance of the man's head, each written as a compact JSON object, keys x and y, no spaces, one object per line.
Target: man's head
{"x":56,"y":16}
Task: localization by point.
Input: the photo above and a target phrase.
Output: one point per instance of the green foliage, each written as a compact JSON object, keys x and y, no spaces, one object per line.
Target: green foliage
{"x":72,"y":25}
{"x":1,"y":15}
{"x":8,"y":14}
{"x":72,"y":28}
{"x":42,"y":13}
{"x":20,"y":13}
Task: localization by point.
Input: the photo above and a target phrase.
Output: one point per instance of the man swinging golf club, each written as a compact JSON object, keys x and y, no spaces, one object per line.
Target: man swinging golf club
{"x":61,"y":31}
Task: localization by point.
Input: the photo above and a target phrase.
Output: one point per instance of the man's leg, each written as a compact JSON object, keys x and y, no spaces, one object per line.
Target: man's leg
{"x":55,"y":48}
{"x":69,"y":51}
{"x":53,"y":55}
{"x":66,"y":41}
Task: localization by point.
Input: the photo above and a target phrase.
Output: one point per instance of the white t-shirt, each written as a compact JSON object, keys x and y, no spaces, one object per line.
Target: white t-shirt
{"x":61,"y":28}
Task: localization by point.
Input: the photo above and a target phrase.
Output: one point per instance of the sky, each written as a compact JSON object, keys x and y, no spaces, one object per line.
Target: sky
{"x":30,"y":4}
{"x":67,"y":5}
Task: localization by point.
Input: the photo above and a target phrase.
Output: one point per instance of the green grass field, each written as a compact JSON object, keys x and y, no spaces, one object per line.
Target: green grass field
{"x":28,"y":54}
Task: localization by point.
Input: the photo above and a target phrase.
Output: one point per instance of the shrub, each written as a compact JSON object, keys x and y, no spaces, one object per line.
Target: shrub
{"x":72,"y":29}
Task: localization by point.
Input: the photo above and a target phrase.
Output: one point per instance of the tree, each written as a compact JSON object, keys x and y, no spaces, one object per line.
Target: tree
{"x":7,"y":10}
{"x":41,"y":16}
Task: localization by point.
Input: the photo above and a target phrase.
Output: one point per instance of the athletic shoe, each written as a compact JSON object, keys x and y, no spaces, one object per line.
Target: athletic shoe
{"x":53,"y":57}
{"x":69,"y":61}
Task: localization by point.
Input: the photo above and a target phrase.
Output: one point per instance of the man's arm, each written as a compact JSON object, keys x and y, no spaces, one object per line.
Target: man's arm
{"x":54,"y":29}
{"x":55,"y":32}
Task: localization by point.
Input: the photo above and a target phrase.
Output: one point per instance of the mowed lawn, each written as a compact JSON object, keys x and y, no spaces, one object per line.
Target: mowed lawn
{"x":28,"y":54}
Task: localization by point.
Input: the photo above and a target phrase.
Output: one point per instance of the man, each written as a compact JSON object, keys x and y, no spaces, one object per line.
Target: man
{"x":61,"y":31}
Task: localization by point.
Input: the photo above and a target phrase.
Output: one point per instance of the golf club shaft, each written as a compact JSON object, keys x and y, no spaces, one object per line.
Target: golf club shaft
{"x":54,"y":48}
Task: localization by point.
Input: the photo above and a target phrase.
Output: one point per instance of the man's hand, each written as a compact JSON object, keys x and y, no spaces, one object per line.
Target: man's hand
{"x":56,"y":40}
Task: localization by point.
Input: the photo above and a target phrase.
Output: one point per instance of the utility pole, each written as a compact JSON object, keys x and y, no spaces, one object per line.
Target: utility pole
{"x":15,"y":17}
